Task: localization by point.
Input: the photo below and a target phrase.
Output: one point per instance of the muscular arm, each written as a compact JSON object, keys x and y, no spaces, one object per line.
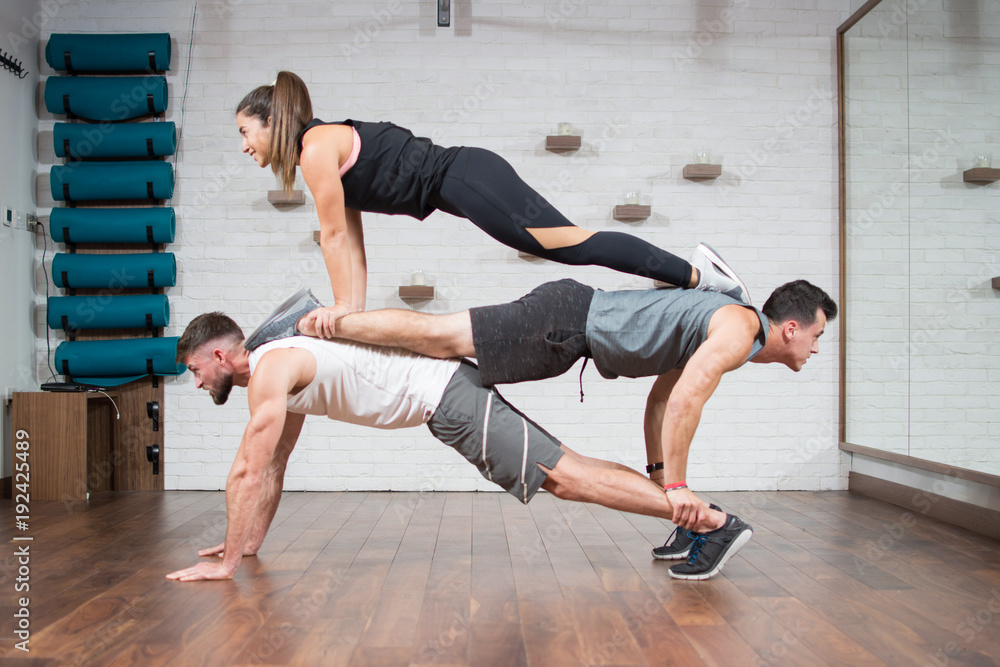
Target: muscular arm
{"x":359,"y":260}
{"x":251,"y":497}
{"x":340,"y":235}
{"x":674,"y":406}
{"x":274,"y":480}
{"x":656,"y":406}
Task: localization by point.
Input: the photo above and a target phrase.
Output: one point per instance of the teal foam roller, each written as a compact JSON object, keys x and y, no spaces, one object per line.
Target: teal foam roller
{"x":128,"y":311}
{"x":112,"y":225}
{"x":89,"y":181}
{"x":106,"y":97}
{"x":114,"y":272}
{"x":83,"y":140}
{"x":115,"y":362}
{"x":115,"y":52}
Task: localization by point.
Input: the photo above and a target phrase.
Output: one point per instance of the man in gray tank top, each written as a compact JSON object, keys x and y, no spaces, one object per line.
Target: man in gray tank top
{"x":687,"y":339}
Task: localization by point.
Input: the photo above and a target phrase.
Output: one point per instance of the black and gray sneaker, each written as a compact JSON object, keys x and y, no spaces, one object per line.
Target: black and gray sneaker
{"x":678,"y":544}
{"x":710,"y":551}
{"x":281,"y":322}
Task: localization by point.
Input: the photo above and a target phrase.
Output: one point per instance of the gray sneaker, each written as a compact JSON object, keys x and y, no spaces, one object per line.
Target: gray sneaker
{"x":679,"y":547}
{"x":281,"y":322}
{"x":716,"y":275}
{"x":710,"y":551}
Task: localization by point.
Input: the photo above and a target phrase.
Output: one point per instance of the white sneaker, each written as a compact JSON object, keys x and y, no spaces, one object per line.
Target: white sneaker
{"x":716,"y":275}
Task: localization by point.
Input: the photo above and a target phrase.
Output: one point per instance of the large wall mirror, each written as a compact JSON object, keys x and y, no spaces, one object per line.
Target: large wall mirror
{"x":920,"y":107}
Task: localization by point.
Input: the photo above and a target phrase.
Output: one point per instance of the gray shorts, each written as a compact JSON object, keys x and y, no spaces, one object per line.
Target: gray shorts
{"x":493,"y":436}
{"x":541,"y":335}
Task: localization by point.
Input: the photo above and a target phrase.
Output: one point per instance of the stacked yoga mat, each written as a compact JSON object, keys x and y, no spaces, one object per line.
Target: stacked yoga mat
{"x":109,"y":363}
{"x":112,"y":225}
{"x":116,"y":141}
{"x":74,"y":53}
{"x":85,"y":181}
{"x":106,"y":101}
{"x":113,"y":184}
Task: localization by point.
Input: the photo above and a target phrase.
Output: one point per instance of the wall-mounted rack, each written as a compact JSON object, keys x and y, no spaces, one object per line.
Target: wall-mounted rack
{"x":12,"y":64}
{"x":114,"y":183}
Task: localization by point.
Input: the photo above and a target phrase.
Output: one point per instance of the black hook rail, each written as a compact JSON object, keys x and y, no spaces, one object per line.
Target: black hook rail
{"x":12,"y":64}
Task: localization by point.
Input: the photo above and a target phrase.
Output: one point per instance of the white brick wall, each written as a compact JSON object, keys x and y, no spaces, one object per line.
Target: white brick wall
{"x":649,"y":83}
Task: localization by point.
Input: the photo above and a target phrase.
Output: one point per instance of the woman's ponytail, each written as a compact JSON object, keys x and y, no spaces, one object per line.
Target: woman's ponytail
{"x":286,"y":103}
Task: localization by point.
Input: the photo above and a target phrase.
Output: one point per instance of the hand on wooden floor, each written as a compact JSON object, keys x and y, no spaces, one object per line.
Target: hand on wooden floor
{"x":202,"y":572}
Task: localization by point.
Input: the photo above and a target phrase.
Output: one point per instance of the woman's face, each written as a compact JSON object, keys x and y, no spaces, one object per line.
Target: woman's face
{"x":256,"y":136}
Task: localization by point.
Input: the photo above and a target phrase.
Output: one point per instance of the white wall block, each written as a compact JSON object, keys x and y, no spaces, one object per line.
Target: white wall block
{"x":648,"y":84}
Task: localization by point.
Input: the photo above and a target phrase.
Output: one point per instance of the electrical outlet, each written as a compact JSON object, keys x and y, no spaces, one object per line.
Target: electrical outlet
{"x":31,"y":222}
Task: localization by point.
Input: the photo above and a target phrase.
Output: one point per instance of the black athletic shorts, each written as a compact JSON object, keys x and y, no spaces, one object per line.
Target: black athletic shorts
{"x":541,"y":335}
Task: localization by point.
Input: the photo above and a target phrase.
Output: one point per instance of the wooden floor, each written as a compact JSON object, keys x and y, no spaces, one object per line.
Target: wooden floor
{"x":477,"y":579}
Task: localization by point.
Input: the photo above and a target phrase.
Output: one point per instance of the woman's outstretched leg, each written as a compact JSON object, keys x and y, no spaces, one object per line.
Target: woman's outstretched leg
{"x":625,"y":253}
{"x":484,"y":188}
{"x":708,"y":271}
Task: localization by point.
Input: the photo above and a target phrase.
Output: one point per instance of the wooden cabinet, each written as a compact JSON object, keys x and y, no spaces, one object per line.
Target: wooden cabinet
{"x":82,"y":442}
{"x":54,"y":426}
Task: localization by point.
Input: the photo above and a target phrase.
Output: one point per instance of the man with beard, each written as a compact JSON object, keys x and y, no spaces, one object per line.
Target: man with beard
{"x":290,"y":377}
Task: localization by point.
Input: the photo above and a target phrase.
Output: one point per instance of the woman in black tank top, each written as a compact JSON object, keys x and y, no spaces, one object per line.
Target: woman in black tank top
{"x":398,"y":173}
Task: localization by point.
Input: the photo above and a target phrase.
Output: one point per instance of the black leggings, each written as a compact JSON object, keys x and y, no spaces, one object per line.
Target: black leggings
{"x":483,"y":187}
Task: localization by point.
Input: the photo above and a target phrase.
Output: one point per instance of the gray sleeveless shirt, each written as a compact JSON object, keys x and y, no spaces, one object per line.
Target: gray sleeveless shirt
{"x":650,"y":332}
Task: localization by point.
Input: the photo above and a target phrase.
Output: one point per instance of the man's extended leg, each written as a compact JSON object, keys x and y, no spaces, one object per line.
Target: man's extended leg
{"x":538,"y":336}
{"x":584,"y":479}
{"x":440,"y":336}
{"x":517,"y":454}
{"x":718,"y":537}
{"x":679,"y":543}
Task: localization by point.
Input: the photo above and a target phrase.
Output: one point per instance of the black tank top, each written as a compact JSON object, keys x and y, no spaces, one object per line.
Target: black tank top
{"x":396,"y":172}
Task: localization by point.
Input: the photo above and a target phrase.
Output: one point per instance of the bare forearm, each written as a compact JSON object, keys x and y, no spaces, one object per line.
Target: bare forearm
{"x":273,"y":485}
{"x":673,"y":412}
{"x":677,"y":434}
{"x":359,"y":261}
{"x":274,"y":482}
{"x":656,"y":405}
{"x":669,"y":445}
{"x":669,"y":427}
{"x":339,"y":266}
{"x":243,"y":498}
{"x":653,"y":435}
{"x":359,"y":282}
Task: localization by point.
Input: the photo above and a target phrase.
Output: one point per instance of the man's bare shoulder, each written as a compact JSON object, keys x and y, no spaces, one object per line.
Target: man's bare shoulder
{"x":284,"y":368}
{"x":731,"y":333}
{"x":735,"y":320}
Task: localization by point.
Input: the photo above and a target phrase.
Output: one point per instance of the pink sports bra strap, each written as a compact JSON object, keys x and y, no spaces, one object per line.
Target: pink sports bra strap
{"x":355,"y":150}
